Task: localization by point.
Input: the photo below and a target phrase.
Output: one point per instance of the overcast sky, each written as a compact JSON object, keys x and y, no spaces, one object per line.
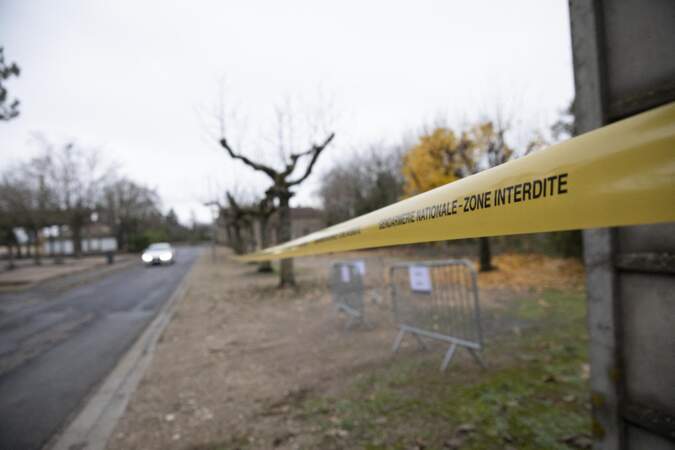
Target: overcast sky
{"x":136,"y":78}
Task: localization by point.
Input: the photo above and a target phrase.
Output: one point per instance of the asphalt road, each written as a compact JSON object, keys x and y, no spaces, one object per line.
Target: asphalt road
{"x":56,"y":347}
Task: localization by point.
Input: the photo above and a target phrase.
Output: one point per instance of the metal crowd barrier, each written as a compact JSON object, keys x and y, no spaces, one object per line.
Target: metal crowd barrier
{"x":437,"y":300}
{"x":346,"y":283}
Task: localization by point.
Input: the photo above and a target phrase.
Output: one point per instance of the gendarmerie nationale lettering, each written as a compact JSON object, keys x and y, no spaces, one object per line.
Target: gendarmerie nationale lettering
{"x":520,"y":192}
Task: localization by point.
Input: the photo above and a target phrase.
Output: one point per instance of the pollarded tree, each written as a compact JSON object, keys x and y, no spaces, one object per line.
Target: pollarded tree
{"x":239,"y":219}
{"x":296,"y":168}
{"x":262,"y":211}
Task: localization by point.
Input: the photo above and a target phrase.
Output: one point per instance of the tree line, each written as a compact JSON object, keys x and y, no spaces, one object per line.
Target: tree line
{"x":69,"y":187}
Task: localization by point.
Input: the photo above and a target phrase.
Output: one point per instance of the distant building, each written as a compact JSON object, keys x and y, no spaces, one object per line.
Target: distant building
{"x":96,"y":238}
{"x":304,"y":220}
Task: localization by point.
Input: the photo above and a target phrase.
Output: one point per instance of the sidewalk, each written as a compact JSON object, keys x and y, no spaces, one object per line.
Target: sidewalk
{"x":27,"y":275}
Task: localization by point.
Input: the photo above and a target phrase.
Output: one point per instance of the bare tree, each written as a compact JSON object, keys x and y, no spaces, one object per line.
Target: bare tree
{"x":283,"y":180}
{"x":8,"y":110}
{"x":29,"y":201}
{"x":238,"y":223}
{"x":363,"y":183}
{"x":8,"y":220}
{"x":76,"y":177}
{"x":242,"y":214}
{"x":565,"y":126}
{"x":126,"y":207}
{"x":261,"y":212}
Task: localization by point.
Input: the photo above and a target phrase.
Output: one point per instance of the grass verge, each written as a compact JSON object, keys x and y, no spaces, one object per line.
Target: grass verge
{"x":534,"y":394}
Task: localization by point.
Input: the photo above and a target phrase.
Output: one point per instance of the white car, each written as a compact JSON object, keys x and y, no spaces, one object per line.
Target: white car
{"x":159,"y":253}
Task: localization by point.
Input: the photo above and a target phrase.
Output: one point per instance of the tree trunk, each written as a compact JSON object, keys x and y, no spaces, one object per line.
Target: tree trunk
{"x":58,"y":256}
{"x":120,"y":238}
{"x":76,"y":229}
{"x":286,"y":275}
{"x":265,"y":266}
{"x":485,"y":256}
{"x":230,"y":235}
{"x":37,"y":256}
{"x":10,"y":257}
{"x":251,"y":241}
{"x":238,"y":241}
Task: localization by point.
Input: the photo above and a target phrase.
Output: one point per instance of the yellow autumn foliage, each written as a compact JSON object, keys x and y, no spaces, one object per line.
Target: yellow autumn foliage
{"x":489,"y":143}
{"x":429,"y":164}
{"x":443,"y":156}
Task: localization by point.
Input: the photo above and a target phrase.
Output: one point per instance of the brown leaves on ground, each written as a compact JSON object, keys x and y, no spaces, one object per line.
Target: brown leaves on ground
{"x":533,"y":272}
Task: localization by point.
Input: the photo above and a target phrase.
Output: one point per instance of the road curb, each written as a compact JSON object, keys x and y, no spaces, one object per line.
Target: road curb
{"x":92,"y":427}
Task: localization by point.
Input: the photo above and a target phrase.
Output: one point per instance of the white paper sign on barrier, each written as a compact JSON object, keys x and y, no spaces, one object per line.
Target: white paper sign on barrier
{"x":344,"y":271}
{"x":420,"y":279}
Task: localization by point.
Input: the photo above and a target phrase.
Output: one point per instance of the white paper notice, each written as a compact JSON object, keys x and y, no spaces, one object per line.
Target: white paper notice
{"x":344,"y":270}
{"x":360,"y":266}
{"x":420,"y":279}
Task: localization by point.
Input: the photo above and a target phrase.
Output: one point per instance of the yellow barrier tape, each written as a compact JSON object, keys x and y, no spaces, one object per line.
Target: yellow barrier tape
{"x":621,"y":174}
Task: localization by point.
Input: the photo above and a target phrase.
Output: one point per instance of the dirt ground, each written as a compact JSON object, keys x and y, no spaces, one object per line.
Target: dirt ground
{"x":239,"y":355}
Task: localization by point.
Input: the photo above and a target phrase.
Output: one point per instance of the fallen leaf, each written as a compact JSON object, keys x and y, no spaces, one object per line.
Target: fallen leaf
{"x":465,"y":428}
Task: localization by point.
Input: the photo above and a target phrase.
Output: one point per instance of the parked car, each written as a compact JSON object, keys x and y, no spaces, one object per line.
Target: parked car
{"x":159,"y":253}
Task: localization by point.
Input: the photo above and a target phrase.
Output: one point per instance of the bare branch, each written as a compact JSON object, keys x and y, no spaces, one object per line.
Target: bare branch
{"x":315,"y":151}
{"x":257,"y":166}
